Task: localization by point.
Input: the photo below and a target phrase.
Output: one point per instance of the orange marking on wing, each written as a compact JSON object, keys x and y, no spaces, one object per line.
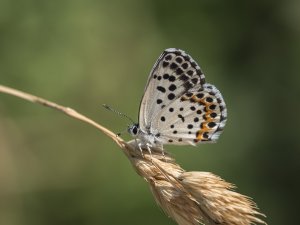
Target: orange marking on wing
{"x":199,"y":135}
{"x":201,"y":101}
{"x":205,"y":127}
{"x":208,"y":112}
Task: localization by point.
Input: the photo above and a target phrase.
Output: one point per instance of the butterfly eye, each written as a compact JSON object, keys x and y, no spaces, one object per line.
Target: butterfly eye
{"x":134,"y":130}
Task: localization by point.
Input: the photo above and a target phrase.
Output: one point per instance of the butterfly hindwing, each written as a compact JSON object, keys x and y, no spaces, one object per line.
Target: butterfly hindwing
{"x":199,"y":115}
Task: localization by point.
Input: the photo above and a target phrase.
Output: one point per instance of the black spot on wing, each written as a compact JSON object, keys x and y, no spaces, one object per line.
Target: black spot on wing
{"x":166,"y":76}
{"x":212,"y":107}
{"x":181,"y":117}
{"x":173,"y":66}
{"x":179,"y":59}
{"x":172,"y":78}
{"x":188,"y":85}
{"x":165,"y":64}
{"x":171,"y":96}
{"x":211,"y":124}
{"x":200,"y":95}
{"x":168,"y":57}
{"x":213,"y":115}
{"x":172,"y":87}
{"x":184,"y":77}
{"x":161,"y":89}
{"x":190,"y":72}
{"x":179,"y":71}
{"x":209,"y":99}
{"x":194,"y":80}
{"x":185,"y":66}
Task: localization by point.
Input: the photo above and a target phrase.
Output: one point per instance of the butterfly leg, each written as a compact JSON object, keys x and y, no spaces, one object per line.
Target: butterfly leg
{"x":161,"y":147}
{"x":163,"y":153}
{"x":141,"y":150}
{"x":148,"y":146}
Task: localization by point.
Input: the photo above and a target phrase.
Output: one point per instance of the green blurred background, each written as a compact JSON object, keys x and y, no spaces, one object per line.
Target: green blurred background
{"x":56,"y":170}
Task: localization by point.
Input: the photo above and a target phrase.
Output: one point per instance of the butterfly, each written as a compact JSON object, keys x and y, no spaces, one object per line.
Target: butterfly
{"x":178,"y":107}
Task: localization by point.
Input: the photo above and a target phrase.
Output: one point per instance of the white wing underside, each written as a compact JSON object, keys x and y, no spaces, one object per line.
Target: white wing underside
{"x":178,"y":106}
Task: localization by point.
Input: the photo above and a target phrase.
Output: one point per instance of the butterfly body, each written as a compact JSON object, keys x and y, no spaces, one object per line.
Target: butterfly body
{"x":178,"y":106}
{"x":145,"y":136}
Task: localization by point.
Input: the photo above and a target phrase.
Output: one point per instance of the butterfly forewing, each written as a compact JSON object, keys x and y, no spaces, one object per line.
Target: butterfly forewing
{"x":174,"y":74}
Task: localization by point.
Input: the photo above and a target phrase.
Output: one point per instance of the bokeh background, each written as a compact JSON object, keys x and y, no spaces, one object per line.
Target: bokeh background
{"x":56,"y":170}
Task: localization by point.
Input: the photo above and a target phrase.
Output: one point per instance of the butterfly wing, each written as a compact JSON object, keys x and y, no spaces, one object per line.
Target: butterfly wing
{"x":173,"y":74}
{"x":176,"y":85}
{"x":199,"y":115}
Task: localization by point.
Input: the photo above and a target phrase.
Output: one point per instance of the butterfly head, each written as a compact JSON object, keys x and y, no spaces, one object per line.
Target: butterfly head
{"x":133,"y":129}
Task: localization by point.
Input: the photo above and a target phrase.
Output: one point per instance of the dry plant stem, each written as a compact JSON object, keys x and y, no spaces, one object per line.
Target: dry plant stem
{"x":70,"y":112}
{"x":190,"y":198}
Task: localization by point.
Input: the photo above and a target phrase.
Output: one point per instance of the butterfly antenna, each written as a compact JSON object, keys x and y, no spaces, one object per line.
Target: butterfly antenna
{"x":117,"y":112}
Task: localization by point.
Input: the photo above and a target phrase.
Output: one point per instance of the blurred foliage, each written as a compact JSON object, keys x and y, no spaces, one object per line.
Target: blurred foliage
{"x":55,"y":170}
